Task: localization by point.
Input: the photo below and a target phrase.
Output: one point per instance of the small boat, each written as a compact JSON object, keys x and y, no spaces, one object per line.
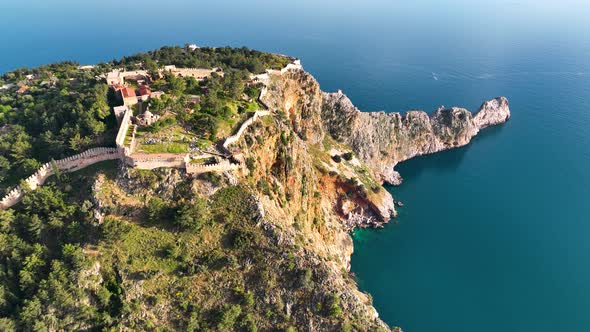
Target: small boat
{"x":399,"y":203}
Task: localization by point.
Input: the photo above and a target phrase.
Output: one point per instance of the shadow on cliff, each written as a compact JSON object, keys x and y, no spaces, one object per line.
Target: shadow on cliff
{"x":445,"y":161}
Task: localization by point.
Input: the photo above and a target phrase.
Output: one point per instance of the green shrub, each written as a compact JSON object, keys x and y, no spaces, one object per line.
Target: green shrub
{"x":242,"y":239}
{"x":333,"y":306}
{"x":248,"y":323}
{"x":227,"y":317}
{"x":113,"y":229}
{"x":264,"y":187}
{"x":250,"y":164}
{"x":304,"y":279}
{"x":212,"y":177}
{"x":192,"y":216}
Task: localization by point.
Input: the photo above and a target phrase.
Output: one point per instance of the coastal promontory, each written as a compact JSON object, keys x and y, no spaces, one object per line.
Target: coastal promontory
{"x":197,"y":189}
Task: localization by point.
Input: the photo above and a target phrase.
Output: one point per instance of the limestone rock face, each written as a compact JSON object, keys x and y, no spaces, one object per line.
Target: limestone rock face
{"x":316,"y":166}
{"x":382,"y":140}
{"x":297,"y":94}
{"x":492,"y":112}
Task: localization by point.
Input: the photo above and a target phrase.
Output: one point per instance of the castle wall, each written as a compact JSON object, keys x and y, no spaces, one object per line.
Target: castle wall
{"x":123,"y":128}
{"x":66,"y":165}
{"x":221,"y":166}
{"x":141,"y":161}
{"x":151,"y":161}
{"x":234,"y":138}
{"x":198,"y":73}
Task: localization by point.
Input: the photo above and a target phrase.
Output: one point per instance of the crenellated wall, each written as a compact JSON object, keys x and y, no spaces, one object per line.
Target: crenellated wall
{"x":234,"y":138}
{"x":221,"y":166}
{"x":198,"y":73}
{"x":66,"y":165}
{"x":141,"y":161}
{"x":151,"y":161}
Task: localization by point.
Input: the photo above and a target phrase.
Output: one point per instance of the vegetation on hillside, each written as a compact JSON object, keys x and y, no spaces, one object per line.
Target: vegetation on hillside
{"x":208,"y":57}
{"x":185,"y":262}
{"x":109,"y":248}
{"x":64,"y":110}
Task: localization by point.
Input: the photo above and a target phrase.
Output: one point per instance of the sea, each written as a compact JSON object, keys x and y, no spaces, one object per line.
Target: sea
{"x":494,"y":236}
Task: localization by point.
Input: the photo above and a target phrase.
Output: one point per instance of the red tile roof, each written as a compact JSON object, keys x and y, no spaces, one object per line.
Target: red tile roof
{"x":128,"y":92}
{"x":118,"y":87}
{"x":144,"y":90}
{"x":22,"y":89}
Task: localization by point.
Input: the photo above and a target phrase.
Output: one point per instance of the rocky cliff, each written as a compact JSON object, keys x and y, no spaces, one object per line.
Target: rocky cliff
{"x":382,"y":140}
{"x":318,"y":164}
{"x":263,"y":246}
{"x":268,"y":246}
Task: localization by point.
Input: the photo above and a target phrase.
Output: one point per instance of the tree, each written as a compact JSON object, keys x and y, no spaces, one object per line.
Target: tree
{"x":233,"y":84}
{"x":177,"y":85}
{"x":152,"y":68}
{"x":191,"y":217}
{"x":212,"y":105}
{"x":7,"y":325}
{"x":31,"y":272}
{"x":4,"y":168}
{"x":74,"y":257}
{"x":6,"y":220}
{"x":34,"y":226}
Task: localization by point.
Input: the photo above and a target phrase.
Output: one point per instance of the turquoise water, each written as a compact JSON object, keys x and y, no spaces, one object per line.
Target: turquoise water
{"x":494,"y":235}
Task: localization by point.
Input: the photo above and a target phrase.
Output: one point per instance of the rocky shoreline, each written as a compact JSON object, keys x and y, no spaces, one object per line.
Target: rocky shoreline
{"x":382,"y":140}
{"x":350,"y":191}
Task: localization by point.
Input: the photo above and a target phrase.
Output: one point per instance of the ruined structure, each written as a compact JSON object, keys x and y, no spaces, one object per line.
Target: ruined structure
{"x":125,"y":139}
{"x":198,"y":73}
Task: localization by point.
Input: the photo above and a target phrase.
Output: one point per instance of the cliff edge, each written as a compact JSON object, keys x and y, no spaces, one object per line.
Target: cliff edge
{"x":263,"y":245}
{"x":382,"y":140}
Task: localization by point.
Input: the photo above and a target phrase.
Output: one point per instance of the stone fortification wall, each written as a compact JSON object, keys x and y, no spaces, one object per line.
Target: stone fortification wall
{"x":263,"y":92}
{"x":142,"y":161}
{"x":69,"y":164}
{"x":133,"y":73}
{"x":151,"y":161}
{"x":198,"y":73}
{"x":123,"y":128}
{"x":221,"y":166}
{"x":234,"y":138}
{"x":295,"y":65}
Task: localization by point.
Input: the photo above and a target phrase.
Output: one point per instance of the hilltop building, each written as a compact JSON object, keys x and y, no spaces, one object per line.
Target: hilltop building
{"x":128,"y":96}
{"x":146,"y":119}
{"x":144,"y":92}
{"x":23,"y":89}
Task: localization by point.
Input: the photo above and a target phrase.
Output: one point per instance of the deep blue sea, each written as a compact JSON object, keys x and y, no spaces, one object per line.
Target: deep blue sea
{"x":494,"y":236}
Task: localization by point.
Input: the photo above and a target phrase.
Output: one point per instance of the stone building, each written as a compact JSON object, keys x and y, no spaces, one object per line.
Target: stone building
{"x":128,"y":96}
{"x":115,"y":78}
{"x":23,"y":89}
{"x":146,"y":119}
{"x":144,"y":92}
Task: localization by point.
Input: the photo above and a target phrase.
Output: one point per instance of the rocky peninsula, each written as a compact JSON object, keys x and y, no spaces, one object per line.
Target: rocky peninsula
{"x":263,"y":245}
{"x":382,"y":140}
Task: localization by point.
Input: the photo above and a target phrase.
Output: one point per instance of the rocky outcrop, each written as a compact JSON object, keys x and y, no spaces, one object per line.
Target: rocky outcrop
{"x":492,"y":112}
{"x":382,"y":139}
